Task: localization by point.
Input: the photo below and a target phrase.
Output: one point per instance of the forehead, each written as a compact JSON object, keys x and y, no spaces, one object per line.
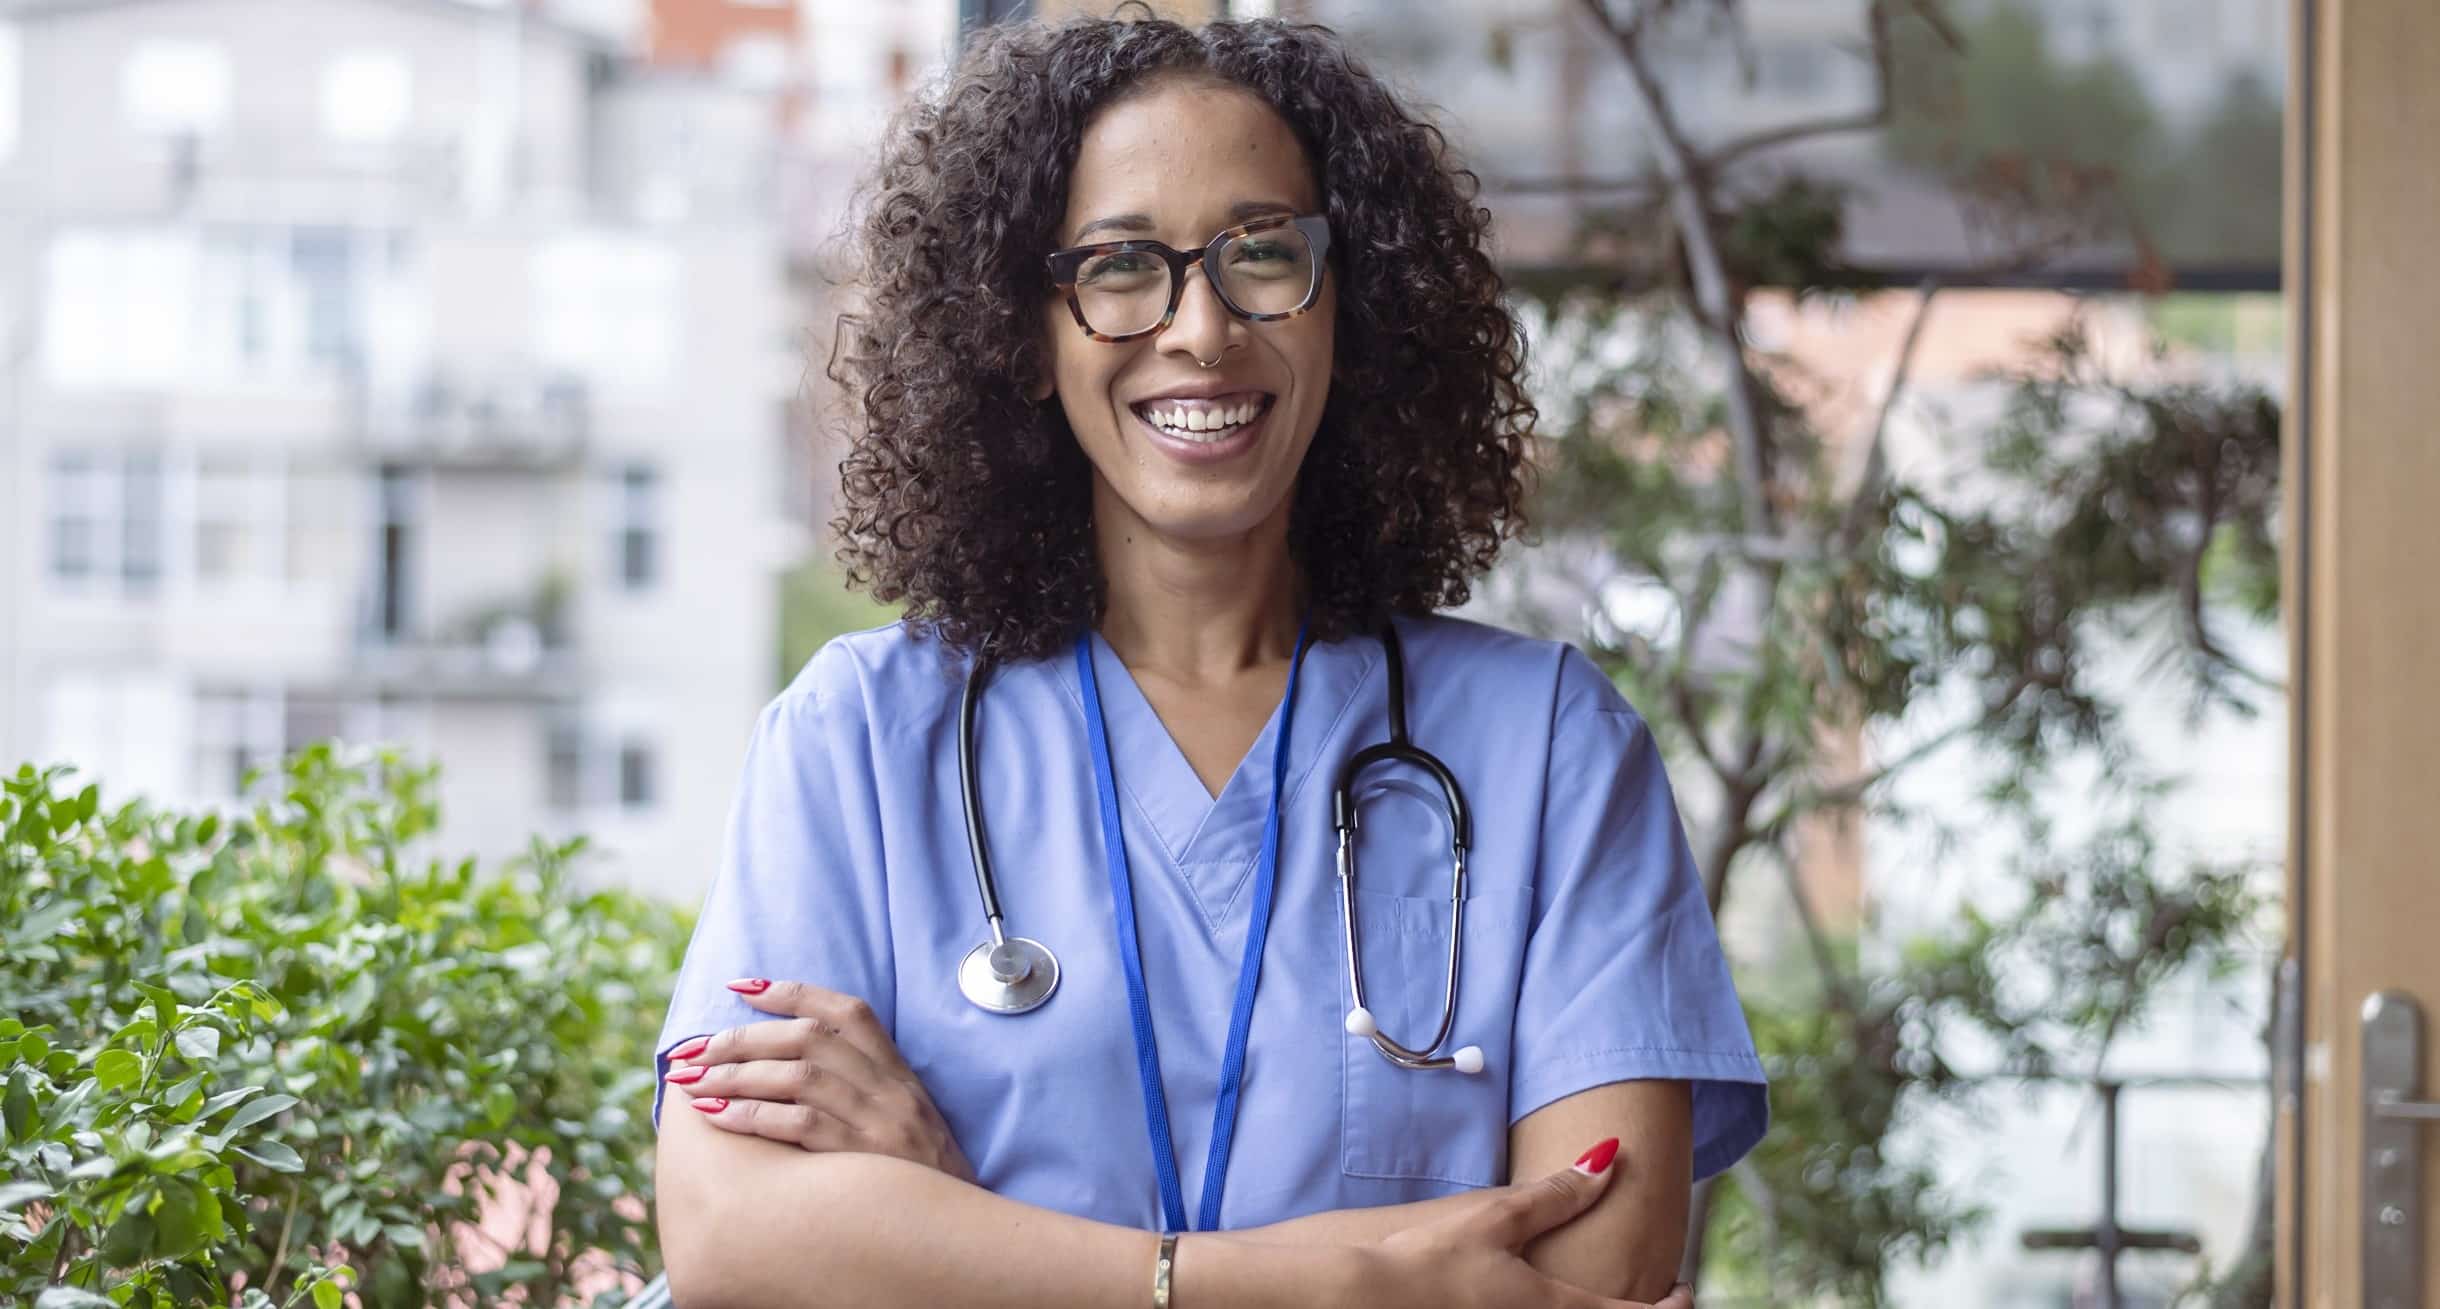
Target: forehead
{"x":1185,"y":144}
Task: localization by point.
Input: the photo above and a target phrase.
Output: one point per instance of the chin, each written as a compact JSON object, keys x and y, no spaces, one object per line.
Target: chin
{"x":1185,"y":520}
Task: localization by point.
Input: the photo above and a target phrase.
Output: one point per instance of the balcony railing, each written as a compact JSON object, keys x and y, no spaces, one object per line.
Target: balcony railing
{"x":529,"y":420}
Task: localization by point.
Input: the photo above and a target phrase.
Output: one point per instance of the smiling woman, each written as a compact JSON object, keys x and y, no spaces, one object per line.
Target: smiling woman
{"x":1185,"y":394}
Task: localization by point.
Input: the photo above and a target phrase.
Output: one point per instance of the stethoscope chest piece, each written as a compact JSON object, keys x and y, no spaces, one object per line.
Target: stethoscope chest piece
{"x":1010,"y":977}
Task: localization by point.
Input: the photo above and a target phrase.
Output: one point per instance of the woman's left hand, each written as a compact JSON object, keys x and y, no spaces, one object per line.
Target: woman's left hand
{"x":827,"y":1078}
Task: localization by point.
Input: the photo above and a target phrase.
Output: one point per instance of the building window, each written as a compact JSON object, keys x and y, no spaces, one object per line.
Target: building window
{"x":118,"y":306}
{"x":564,"y":764}
{"x":588,"y":768}
{"x":76,"y":516}
{"x":175,"y":87}
{"x":398,"y":509}
{"x":637,"y":537}
{"x":608,"y":308}
{"x":9,"y":94}
{"x":322,"y":262}
{"x":241,"y":528}
{"x":366,"y":97}
{"x":104,"y":520}
{"x":140,"y":529}
{"x":635,"y":776}
{"x":236,"y":729}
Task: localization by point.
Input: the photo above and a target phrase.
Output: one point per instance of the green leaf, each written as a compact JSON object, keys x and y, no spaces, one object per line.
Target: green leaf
{"x":70,"y":1297}
{"x":164,"y":1003}
{"x":136,"y":1031}
{"x":225,"y":1099}
{"x":327,"y":1295}
{"x":256,"y":1112}
{"x":63,"y":1110}
{"x":117,"y":1068}
{"x":17,"y":1106}
{"x":38,"y":925}
{"x":173,"y":1215}
{"x":130,"y":1239}
{"x":16,"y":1195}
{"x":89,"y":802}
{"x":200,"y":1043}
{"x":274,"y":1156}
{"x":33,"y":1047}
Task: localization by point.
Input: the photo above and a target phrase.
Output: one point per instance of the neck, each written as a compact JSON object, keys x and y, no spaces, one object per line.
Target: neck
{"x":1196,"y":611}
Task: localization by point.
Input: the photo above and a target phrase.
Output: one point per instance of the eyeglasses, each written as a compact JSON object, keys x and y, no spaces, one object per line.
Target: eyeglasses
{"x":1269,"y":269}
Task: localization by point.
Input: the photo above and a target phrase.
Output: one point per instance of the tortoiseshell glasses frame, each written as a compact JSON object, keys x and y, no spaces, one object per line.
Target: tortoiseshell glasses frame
{"x":1315,"y":228}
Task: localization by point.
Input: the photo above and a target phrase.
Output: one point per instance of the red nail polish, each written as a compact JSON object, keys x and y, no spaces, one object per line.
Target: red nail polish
{"x":751,"y":985}
{"x":691,"y":1048}
{"x":1597,"y":1160}
{"x":686,"y":1075}
{"x":711,"y":1104}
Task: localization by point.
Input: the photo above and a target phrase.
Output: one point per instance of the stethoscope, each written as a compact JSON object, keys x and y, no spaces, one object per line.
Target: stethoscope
{"x":1015,"y":974}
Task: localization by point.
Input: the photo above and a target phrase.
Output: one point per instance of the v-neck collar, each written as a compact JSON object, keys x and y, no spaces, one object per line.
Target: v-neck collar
{"x":1213,"y":841}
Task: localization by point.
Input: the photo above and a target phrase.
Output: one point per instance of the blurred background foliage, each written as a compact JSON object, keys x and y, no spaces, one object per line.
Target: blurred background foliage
{"x":260,"y":1058}
{"x":1812,"y":608}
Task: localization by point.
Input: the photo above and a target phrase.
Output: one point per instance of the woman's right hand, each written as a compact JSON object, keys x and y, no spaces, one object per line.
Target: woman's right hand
{"x":1474,"y":1257}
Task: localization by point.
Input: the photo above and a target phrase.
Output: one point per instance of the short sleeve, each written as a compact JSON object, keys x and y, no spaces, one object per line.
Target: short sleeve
{"x":1624,"y":977}
{"x":799,"y":893}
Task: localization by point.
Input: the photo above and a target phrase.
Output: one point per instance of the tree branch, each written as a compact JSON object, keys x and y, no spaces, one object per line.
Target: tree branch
{"x":1834,"y":982}
{"x":1715,"y":299}
{"x":1681,"y":698}
{"x":1851,"y":791}
{"x":1884,"y":68}
{"x":1647,"y":190}
{"x":1876,"y":457}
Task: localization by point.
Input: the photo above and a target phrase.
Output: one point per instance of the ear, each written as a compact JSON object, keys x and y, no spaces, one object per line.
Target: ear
{"x":1041,"y":390}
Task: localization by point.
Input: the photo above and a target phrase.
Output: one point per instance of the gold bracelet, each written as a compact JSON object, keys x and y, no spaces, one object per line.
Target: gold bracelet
{"x":1161,"y":1266}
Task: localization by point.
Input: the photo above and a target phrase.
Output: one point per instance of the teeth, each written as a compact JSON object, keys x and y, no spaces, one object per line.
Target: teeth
{"x":1183,"y":421}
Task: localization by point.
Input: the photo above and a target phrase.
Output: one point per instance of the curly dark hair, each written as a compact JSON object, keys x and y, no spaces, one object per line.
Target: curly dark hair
{"x":972,"y":503}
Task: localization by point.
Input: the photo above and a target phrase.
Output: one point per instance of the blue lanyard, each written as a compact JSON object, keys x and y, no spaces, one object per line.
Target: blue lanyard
{"x":1249,"y":969}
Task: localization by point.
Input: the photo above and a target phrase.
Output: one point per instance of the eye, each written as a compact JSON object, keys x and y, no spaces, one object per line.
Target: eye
{"x":1126,"y":263}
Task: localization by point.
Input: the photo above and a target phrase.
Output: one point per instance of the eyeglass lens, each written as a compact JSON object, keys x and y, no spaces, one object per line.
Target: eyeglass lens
{"x":1266,"y":272}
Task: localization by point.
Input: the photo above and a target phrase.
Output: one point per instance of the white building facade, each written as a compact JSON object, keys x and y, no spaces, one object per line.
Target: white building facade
{"x":338,"y":396}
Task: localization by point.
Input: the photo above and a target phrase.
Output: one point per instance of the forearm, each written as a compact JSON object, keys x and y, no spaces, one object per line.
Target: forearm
{"x":857,"y":1229}
{"x":1579,"y":1254}
{"x":1352,"y":1226}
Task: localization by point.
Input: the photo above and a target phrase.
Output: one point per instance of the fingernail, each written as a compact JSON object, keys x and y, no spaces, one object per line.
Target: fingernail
{"x":686,"y":1075}
{"x":1596,"y":1161}
{"x":751,"y":985}
{"x":710,"y":1104}
{"x":691,"y":1048}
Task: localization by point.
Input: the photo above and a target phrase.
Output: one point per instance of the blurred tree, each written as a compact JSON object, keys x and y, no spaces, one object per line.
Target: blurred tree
{"x":1797,"y":594}
{"x":816,"y":605}
{"x":2001,"y":101}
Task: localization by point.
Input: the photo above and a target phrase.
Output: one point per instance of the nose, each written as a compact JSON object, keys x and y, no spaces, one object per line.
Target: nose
{"x":1203,"y":324}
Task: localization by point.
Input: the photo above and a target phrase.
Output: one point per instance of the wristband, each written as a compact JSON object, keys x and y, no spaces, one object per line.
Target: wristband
{"x":1162,"y":1263}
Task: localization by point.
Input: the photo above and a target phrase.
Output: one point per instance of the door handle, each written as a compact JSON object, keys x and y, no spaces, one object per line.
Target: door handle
{"x":2393,"y":1151}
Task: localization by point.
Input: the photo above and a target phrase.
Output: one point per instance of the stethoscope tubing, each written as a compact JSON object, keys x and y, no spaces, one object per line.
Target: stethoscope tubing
{"x":1007,"y":967}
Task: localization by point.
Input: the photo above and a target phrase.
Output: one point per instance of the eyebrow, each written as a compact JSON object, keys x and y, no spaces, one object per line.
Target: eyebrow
{"x":1239,"y":212}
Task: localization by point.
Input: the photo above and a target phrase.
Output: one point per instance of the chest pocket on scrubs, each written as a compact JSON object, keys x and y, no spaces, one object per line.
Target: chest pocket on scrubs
{"x":1429,"y":1124}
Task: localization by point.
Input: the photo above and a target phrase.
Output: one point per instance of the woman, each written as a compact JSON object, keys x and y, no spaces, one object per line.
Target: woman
{"x":1171,"y":495}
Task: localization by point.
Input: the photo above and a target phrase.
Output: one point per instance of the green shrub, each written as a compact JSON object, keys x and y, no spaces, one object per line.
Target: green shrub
{"x":260,"y":1058}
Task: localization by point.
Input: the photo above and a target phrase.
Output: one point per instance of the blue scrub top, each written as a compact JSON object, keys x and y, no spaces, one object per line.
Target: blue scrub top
{"x":1589,"y":957}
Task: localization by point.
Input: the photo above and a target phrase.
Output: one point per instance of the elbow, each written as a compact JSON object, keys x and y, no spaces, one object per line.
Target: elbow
{"x":717,"y":1246}
{"x":729,"y":1240}
{"x":693,"y":1254}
